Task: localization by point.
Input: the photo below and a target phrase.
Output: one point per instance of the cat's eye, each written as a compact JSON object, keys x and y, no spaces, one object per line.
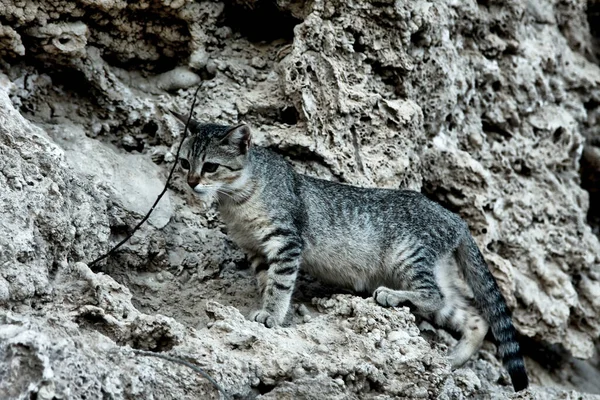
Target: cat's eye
{"x":210,"y":167}
{"x":185,"y":164}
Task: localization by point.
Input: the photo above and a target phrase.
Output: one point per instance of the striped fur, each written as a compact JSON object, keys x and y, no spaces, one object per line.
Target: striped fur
{"x":490,"y":301}
{"x":396,"y":244}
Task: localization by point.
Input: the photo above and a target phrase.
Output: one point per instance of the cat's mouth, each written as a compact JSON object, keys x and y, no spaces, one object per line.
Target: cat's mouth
{"x":205,"y":191}
{"x":206,"y":195}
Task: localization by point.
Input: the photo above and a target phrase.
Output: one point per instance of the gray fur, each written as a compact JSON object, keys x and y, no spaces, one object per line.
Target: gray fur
{"x":396,"y":244}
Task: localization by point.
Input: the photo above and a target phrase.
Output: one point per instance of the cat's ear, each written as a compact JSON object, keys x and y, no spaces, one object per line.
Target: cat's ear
{"x":183,"y":118}
{"x":239,"y":136}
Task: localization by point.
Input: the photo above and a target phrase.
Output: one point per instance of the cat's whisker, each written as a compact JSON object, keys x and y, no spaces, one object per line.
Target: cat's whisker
{"x":221,"y":191}
{"x":240,"y":195}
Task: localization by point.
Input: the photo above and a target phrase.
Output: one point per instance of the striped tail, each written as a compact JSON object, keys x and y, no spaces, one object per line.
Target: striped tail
{"x":490,"y":302}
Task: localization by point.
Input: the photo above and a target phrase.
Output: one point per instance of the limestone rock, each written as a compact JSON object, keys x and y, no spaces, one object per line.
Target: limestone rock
{"x":489,"y":107}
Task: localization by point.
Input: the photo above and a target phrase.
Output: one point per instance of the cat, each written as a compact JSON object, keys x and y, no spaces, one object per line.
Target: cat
{"x":396,"y":244}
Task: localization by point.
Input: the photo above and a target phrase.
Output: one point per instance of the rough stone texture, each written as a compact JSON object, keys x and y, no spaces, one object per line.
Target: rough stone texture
{"x":489,"y":107}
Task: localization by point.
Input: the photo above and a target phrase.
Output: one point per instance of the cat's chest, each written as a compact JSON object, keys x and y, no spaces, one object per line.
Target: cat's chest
{"x":247,"y":224}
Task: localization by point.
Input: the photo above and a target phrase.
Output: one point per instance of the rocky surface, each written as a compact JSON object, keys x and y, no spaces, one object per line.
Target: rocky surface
{"x":489,"y":107}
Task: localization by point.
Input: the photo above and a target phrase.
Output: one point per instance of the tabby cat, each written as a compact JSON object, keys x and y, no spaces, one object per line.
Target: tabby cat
{"x":396,"y":244}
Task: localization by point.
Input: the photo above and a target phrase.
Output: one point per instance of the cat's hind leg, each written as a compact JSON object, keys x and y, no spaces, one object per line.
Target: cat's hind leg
{"x":459,"y":313}
{"x":421,"y":291}
{"x":473,"y":328}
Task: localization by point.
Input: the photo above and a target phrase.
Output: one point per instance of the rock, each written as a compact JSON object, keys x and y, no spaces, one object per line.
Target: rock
{"x":48,"y":213}
{"x":135,"y":181}
{"x":486,"y":107}
{"x":69,"y":38}
{"x":178,"y":78}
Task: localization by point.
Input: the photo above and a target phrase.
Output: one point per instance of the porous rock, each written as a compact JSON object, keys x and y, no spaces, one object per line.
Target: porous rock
{"x":488,"y":107}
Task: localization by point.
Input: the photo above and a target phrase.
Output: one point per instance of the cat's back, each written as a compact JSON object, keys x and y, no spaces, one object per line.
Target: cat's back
{"x":336,"y":205}
{"x":368,"y":199}
{"x":375,"y":214}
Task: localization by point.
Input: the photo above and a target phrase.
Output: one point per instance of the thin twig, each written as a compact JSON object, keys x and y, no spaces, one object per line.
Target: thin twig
{"x":122,"y":242}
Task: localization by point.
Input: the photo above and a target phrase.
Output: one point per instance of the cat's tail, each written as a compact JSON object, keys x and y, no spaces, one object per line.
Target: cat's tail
{"x":490,"y":302}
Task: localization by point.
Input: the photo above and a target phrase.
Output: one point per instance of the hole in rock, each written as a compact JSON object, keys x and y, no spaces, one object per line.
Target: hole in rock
{"x":286,"y":114}
{"x":299,"y":153}
{"x":163,"y":64}
{"x":495,"y":131}
{"x":164,"y":342}
{"x":263,"y":388}
{"x":289,"y":116}
{"x":419,"y":37}
{"x":72,"y":81}
{"x":593,"y":16}
{"x":118,"y":233}
{"x":358,"y":44}
{"x":150,"y":128}
{"x":551,"y":356}
{"x":589,"y":170}
{"x":262,"y":22}
{"x":171,"y":43}
{"x":591,"y":104}
{"x":440,"y":195}
{"x":558,"y":134}
{"x":388,"y":75}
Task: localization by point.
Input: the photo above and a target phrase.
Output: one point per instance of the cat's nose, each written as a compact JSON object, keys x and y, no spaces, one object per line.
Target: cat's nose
{"x":193,"y":180}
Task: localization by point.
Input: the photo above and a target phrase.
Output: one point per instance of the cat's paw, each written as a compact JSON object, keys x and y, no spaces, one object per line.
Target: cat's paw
{"x":264,"y":318}
{"x":386,"y":297}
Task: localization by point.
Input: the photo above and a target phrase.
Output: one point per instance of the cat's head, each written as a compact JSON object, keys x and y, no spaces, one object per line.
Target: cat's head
{"x":214,"y":157}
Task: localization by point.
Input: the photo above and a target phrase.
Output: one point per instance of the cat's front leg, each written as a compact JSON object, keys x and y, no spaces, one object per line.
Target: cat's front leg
{"x":283,"y":260}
